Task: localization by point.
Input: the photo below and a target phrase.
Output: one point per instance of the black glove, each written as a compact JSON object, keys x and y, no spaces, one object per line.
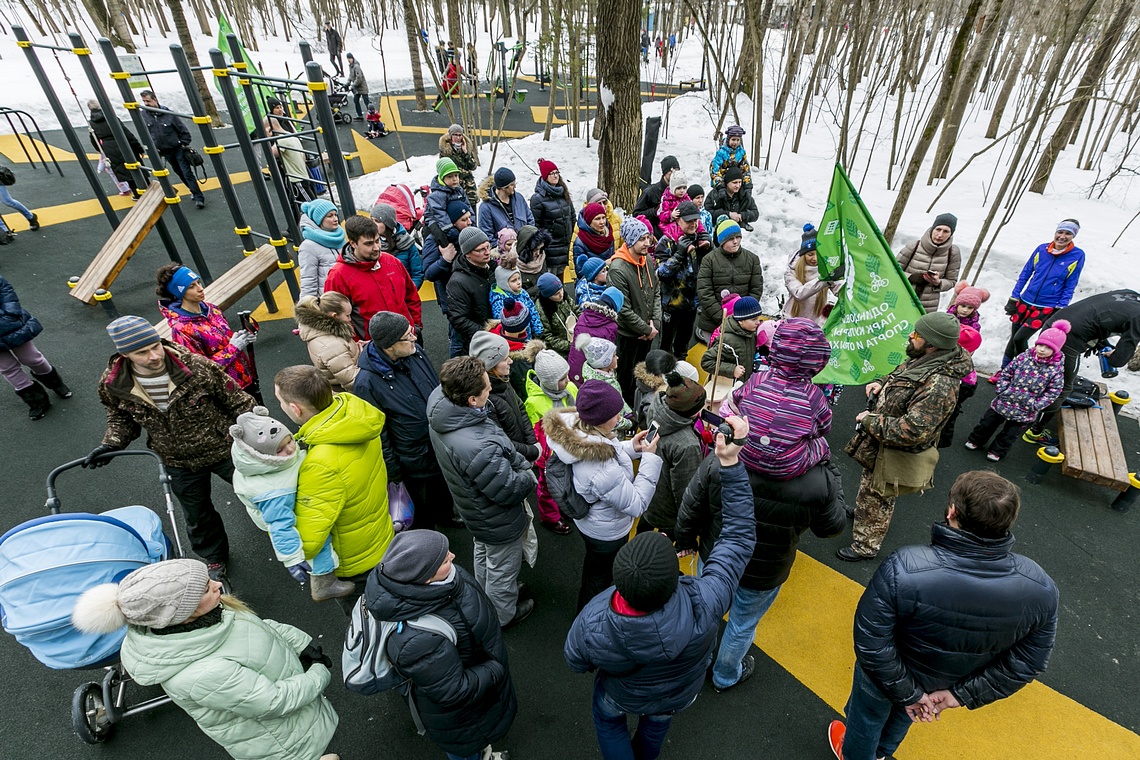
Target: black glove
{"x":311,"y":654}
{"x":92,"y":461}
{"x":1011,"y":307}
{"x":837,"y":274}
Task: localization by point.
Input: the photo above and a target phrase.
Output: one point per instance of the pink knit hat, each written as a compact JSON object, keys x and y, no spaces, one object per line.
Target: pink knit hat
{"x":506,"y":235}
{"x":969,"y":338}
{"x":968,"y":296}
{"x":1054,"y":335}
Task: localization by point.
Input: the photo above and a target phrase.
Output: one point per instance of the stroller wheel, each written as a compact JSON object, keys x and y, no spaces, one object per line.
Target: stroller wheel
{"x":89,"y":717}
{"x":345,"y":118}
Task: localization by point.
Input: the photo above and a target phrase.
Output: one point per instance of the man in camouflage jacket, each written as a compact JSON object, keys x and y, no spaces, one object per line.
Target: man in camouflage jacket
{"x":911,"y":406}
{"x":191,"y":433}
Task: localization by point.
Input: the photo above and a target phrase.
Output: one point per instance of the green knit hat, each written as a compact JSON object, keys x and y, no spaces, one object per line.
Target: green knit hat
{"x":445,"y":166}
{"x":938,"y":331}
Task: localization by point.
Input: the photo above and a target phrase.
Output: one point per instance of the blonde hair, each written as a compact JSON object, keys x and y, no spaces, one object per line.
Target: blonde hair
{"x":593,"y":429}
{"x":801,"y":275}
{"x":329,"y":302}
{"x":231,"y":602}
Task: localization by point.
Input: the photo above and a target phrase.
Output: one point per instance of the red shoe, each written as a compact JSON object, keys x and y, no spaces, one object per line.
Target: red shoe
{"x":835,"y":733}
{"x":994,"y":378}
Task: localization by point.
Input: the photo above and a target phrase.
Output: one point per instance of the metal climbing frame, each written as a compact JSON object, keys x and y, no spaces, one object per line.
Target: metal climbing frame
{"x":24,"y":138}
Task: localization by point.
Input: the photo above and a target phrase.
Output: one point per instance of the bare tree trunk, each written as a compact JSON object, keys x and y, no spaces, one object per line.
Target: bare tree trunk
{"x":619,"y":100}
{"x":964,"y":88}
{"x":186,"y":40}
{"x":937,"y":110}
{"x":412,"y":29}
{"x":1071,"y":120}
{"x":119,"y":23}
{"x":1007,"y":86}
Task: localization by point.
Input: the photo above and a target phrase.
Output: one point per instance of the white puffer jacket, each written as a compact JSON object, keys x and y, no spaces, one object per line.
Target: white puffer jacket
{"x":603,"y":475}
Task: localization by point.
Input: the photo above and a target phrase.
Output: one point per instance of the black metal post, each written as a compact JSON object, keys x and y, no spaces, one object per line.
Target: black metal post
{"x":229,"y":94}
{"x":65,"y":124}
{"x":1124,"y":501}
{"x":1047,"y":456}
{"x":327,"y":122}
{"x":212,"y":149}
{"x":306,"y":50}
{"x":120,"y":75}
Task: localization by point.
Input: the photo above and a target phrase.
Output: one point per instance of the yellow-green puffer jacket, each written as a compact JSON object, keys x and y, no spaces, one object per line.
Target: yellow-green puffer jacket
{"x":241,"y":682}
{"x":538,"y":403}
{"x":342,"y":489}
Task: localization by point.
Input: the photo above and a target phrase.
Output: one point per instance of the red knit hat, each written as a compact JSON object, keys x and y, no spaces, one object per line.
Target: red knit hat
{"x":546,"y":167}
{"x":592,"y":210}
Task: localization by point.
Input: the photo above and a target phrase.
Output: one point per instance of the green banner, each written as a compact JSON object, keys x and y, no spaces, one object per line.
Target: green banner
{"x":869,"y":326}
{"x":224,"y":28}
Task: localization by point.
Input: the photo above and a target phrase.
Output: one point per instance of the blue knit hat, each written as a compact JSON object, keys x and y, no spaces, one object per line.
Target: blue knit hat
{"x":456,"y":209}
{"x":613,"y":298}
{"x":131,"y":333}
{"x":589,"y":266}
{"x":317,"y":210}
{"x":548,"y":285}
{"x":726,"y":230}
{"x":503,"y":177}
{"x":632,"y":230}
{"x":182,"y":279}
{"x":746,"y":307}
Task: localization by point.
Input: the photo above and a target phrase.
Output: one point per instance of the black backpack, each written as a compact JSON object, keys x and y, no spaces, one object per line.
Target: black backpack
{"x":560,"y":485}
{"x":7,"y":178}
{"x":1085,"y":387}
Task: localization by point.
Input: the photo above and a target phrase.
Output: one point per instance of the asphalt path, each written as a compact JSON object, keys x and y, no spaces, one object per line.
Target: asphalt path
{"x":1065,"y":525}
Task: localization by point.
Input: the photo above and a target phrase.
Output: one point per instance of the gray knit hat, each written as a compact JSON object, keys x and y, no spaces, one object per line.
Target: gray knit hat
{"x":489,"y":348}
{"x":131,"y":333}
{"x":414,"y":556}
{"x":550,"y":368}
{"x":598,"y":351}
{"x":503,"y":277}
{"x":154,"y":596}
{"x":386,"y":328}
{"x":385,"y":213}
{"x":258,"y":431}
{"x":470,"y":239}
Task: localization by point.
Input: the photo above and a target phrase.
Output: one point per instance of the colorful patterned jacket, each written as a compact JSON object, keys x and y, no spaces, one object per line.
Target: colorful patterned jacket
{"x":208,"y":334}
{"x":1028,"y":385}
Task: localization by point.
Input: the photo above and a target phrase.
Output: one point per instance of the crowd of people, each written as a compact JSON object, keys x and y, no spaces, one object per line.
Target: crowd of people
{"x":576,"y":402}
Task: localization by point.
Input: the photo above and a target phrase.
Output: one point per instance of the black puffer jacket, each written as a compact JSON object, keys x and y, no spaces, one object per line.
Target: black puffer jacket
{"x":554,"y":211}
{"x":17,"y":326}
{"x":718,"y":203}
{"x":505,"y":408}
{"x":784,"y":510}
{"x":468,"y":298}
{"x":965,"y":614}
{"x":486,"y":476}
{"x":1100,"y":317}
{"x":103,"y":139}
{"x":463,"y":690}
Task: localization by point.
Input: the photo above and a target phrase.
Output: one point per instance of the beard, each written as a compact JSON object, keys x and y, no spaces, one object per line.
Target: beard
{"x":914,"y":352}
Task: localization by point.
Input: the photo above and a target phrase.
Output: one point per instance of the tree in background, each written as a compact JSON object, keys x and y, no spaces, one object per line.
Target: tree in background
{"x":618,"y":124}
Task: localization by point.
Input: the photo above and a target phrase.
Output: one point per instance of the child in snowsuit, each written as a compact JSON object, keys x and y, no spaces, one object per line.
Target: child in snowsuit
{"x":376,"y":127}
{"x":601,"y":364}
{"x":738,"y":357}
{"x":591,"y":279}
{"x":964,"y":306}
{"x":266,"y":463}
{"x":548,"y":386}
{"x":1027,"y":385}
{"x":731,"y":153}
{"x":508,"y":284}
{"x":677,"y":194}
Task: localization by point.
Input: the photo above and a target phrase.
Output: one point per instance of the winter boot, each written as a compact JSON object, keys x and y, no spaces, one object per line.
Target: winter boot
{"x":54,"y":382}
{"x":7,"y":236}
{"x":34,"y":223}
{"x":37,"y":400}
{"x":328,"y":586}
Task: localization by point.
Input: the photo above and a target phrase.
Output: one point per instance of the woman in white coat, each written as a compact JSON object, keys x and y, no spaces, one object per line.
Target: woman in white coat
{"x":808,"y":296}
{"x":583,"y":438}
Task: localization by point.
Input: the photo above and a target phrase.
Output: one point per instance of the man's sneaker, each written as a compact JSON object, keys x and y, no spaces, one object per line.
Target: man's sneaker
{"x":971,"y":445}
{"x":200,"y":203}
{"x":217,"y":571}
{"x":34,"y":223}
{"x":835,"y":733}
{"x":1045,"y":437}
{"x":747,"y":668}
{"x":993,"y":457}
{"x":522,"y":612}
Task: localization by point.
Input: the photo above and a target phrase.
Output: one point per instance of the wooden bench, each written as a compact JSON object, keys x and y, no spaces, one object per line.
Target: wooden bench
{"x":691,"y":84}
{"x":230,"y":287}
{"x":122,"y":244}
{"x":1090,"y":441}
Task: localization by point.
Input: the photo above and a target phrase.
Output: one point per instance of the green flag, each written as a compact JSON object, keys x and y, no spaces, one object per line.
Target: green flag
{"x":224,"y":28}
{"x":877,"y":308}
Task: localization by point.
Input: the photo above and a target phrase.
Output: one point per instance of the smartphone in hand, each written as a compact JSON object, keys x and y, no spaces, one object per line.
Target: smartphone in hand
{"x":651,"y":433}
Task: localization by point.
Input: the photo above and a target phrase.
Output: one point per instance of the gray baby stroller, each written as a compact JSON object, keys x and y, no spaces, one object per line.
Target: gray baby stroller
{"x":48,"y":562}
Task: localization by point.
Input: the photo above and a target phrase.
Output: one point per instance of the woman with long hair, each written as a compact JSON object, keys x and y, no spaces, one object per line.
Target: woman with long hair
{"x":324,"y":322}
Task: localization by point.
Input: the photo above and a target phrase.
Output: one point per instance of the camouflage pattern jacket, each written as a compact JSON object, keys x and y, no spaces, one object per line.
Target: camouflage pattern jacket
{"x":913,"y":405}
{"x":194,"y":431}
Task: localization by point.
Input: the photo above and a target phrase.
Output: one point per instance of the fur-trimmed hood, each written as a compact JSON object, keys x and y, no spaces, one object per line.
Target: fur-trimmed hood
{"x":485,"y":187}
{"x":445,"y":148}
{"x":651,"y":381}
{"x":529,"y":351}
{"x":602,"y":309}
{"x":573,"y":445}
{"x":320,"y":323}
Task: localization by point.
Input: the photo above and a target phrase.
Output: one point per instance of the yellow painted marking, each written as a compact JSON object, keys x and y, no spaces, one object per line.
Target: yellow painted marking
{"x":538,"y":114}
{"x":372,"y":159}
{"x":390,"y":113}
{"x":817,"y":605}
{"x":10,"y":148}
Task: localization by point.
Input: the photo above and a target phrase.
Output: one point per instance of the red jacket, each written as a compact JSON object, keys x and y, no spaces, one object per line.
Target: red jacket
{"x":382,"y":286}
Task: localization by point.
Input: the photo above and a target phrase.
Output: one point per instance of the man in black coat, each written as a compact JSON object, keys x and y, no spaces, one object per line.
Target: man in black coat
{"x":397,"y":377}
{"x":171,"y":137}
{"x":461,"y":685}
{"x":651,"y":196}
{"x":1092,"y":321}
{"x":785,"y":509}
{"x":469,"y":287}
{"x":335,"y":45}
{"x":731,"y":199}
{"x":961,"y":622}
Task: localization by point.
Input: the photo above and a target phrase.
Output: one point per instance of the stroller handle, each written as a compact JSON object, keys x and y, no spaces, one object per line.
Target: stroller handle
{"x":53,"y":503}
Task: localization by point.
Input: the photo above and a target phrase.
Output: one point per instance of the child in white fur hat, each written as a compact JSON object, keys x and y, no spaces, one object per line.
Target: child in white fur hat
{"x":601,"y":364}
{"x":266,"y":464}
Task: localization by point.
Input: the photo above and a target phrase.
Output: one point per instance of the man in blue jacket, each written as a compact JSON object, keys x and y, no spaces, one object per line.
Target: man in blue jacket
{"x":397,"y":377}
{"x":171,"y":138}
{"x":961,"y":622}
{"x":501,"y":207}
{"x":651,"y":636}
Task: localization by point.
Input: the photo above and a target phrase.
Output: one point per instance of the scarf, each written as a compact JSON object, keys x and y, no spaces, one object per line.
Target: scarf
{"x":594,"y":242}
{"x":213,"y":617}
{"x":334,"y":239}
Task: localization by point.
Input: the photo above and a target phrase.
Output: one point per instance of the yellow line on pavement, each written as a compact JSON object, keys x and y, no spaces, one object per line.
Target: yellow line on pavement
{"x":13,"y":146}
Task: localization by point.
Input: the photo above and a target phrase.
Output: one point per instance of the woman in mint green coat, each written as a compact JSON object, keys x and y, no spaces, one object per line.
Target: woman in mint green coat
{"x":254,"y":686}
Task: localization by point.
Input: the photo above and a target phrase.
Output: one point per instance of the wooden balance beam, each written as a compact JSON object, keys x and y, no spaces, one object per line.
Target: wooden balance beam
{"x":1091,"y":443}
{"x":122,"y":244}
{"x":229,"y":288}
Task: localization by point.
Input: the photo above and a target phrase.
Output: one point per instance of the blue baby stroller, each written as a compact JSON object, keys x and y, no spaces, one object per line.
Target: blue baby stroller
{"x":48,"y":562}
